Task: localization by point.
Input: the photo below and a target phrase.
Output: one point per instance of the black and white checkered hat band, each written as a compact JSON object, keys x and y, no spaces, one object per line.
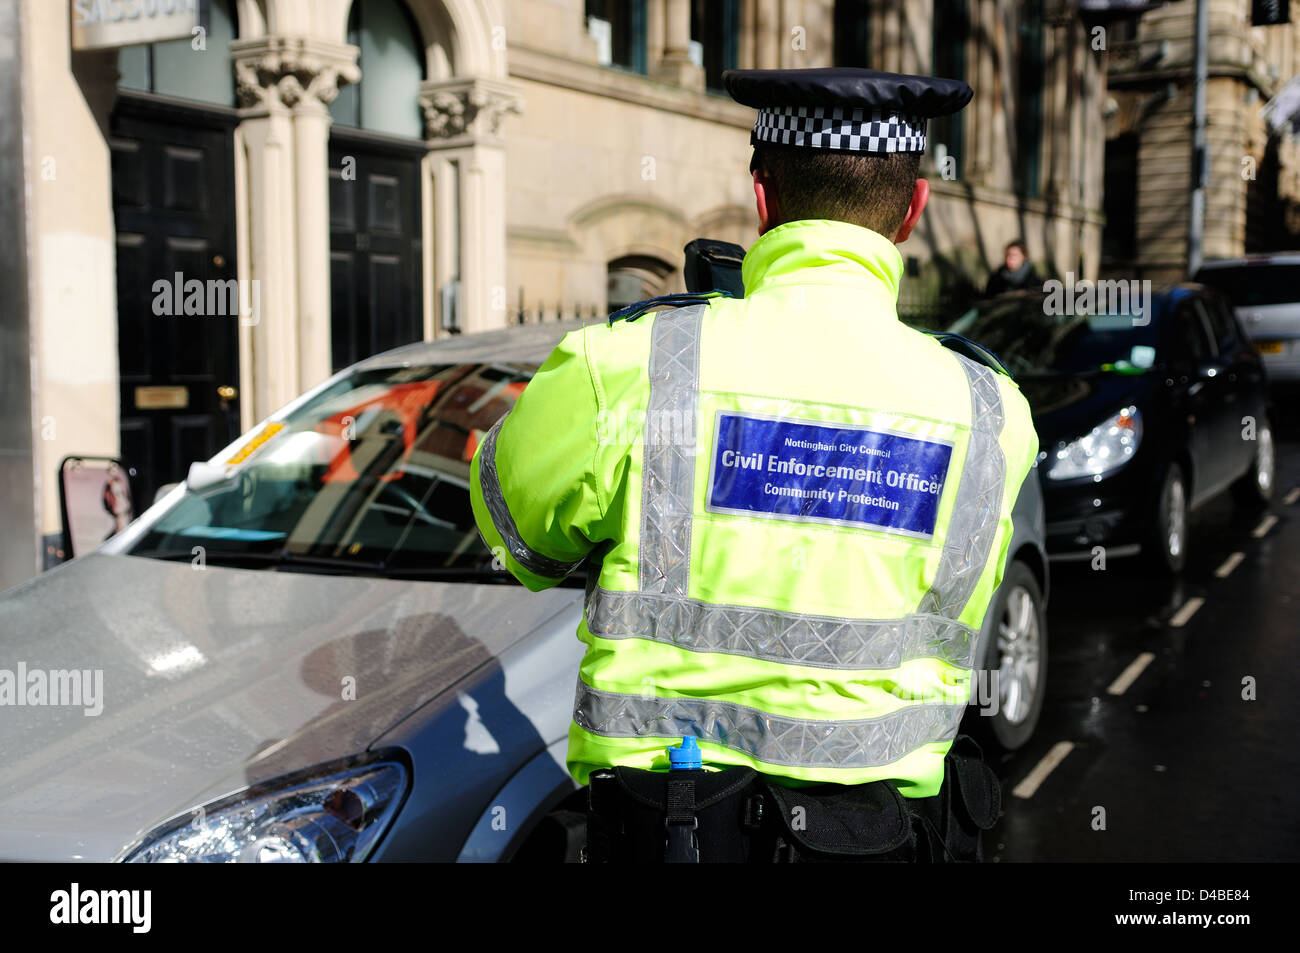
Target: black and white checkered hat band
{"x":844,"y":129}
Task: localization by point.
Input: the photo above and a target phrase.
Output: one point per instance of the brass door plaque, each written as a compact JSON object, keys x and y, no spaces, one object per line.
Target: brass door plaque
{"x":162,"y":398}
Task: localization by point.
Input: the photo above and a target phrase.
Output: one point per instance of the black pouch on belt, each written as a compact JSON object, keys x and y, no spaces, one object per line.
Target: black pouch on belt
{"x":950,"y":824}
{"x":636,"y":816}
{"x":837,"y":823}
{"x":974,"y":798}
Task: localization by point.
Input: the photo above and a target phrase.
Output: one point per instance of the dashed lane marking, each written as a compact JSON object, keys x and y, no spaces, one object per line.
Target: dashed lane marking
{"x":1032,"y":781}
{"x":1229,"y":564}
{"x":1130,"y":674}
{"x":1292,"y":496}
{"x":1266,"y":524}
{"x":1186,"y":612}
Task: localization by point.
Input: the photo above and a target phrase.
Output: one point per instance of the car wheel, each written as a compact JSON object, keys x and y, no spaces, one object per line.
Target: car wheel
{"x":1166,"y":547}
{"x":559,"y":838}
{"x":1015,"y":663}
{"x":1255,"y":489}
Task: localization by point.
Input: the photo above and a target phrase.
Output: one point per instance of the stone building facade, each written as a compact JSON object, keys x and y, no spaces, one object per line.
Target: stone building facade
{"x":613,"y":168}
{"x":362,"y":173}
{"x":1253,"y":182}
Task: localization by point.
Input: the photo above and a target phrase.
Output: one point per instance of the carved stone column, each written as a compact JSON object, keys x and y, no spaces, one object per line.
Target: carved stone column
{"x":768,"y":41}
{"x":675,"y":65}
{"x":1061,"y":49}
{"x":654,"y":33}
{"x":284,"y":87}
{"x":464,"y":111}
{"x":463,"y":119}
{"x":747,"y":42}
{"x":297,"y":73}
{"x":985,"y":142}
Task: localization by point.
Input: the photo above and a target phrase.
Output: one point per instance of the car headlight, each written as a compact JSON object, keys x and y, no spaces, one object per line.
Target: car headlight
{"x":329,"y":814}
{"x":1107,"y":447}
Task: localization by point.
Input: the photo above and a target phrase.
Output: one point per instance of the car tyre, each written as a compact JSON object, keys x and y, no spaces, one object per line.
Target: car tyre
{"x":1166,"y":547}
{"x":1255,"y":488}
{"x":559,"y":838}
{"x":1014,"y":664}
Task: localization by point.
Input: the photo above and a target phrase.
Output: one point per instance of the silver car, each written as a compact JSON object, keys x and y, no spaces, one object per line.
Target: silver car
{"x":1265,"y":293}
{"x":306,"y":653}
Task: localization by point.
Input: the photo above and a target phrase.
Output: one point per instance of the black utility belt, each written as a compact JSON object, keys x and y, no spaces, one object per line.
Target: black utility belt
{"x":739,"y":816}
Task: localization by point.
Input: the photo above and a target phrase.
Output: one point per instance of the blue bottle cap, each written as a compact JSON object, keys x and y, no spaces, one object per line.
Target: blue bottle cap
{"x":686,"y":757}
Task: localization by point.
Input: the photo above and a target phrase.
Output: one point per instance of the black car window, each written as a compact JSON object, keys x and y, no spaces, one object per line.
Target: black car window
{"x":1030,"y":341}
{"x":1222,"y":324}
{"x":1187,"y":341}
{"x":1255,"y":286}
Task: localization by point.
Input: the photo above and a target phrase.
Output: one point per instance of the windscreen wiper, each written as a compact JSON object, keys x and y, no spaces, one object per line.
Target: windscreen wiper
{"x":279,"y":559}
{"x":483,"y":575}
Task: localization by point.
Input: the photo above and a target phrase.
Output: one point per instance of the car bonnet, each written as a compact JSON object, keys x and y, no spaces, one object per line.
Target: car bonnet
{"x":205,"y":680}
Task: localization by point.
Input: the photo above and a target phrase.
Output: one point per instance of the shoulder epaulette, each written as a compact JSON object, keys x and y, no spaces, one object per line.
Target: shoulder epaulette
{"x":633,"y":311}
{"x":968,"y":348}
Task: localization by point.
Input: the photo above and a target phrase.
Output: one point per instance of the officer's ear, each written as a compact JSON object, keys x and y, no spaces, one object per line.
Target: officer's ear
{"x":920,"y":195}
{"x":765,"y":202}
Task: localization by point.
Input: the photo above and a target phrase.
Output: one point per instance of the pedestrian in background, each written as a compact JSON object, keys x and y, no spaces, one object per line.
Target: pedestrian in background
{"x":1017,"y":272}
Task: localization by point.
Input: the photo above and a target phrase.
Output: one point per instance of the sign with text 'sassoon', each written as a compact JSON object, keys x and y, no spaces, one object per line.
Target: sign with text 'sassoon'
{"x":104,"y":24}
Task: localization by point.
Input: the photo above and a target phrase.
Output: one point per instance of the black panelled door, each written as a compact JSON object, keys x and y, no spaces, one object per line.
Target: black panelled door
{"x":173,"y":202}
{"x":375,"y":269}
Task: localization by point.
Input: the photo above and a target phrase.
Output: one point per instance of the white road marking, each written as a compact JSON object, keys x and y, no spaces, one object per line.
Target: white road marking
{"x":1266,"y":524}
{"x":1029,"y":785}
{"x":1130,"y":674}
{"x":1292,"y":496}
{"x":1229,"y":564}
{"x":1186,"y":612}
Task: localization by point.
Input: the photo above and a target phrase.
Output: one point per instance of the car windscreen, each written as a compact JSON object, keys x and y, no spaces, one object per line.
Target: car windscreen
{"x":1255,"y":286}
{"x":371,"y":475}
{"x":1030,"y":341}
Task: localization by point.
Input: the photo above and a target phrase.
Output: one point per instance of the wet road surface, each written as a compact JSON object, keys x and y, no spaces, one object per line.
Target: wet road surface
{"x":1147,"y":749}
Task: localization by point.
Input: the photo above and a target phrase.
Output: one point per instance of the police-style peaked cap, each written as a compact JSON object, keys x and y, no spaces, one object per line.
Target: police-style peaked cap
{"x":844,"y":109}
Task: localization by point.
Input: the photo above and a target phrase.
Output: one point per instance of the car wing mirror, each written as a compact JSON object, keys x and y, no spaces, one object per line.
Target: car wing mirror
{"x":95,"y":501}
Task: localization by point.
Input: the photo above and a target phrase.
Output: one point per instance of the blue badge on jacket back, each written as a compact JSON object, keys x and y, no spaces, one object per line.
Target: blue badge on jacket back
{"x":857,"y":476}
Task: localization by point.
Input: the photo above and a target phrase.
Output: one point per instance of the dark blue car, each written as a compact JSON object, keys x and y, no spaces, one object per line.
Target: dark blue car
{"x":1144,"y":412}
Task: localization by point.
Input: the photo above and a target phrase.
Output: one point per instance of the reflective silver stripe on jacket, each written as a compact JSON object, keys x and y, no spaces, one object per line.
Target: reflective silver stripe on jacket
{"x":495,"y":500}
{"x":668,"y":465}
{"x":778,"y":636}
{"x":975,"y":514}
{"x":772,"y":739}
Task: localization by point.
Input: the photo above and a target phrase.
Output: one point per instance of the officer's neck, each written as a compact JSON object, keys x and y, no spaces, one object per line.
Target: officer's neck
{"x":822,"y":251}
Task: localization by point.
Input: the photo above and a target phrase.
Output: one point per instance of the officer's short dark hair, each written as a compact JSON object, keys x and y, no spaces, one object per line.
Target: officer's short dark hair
{"x":873,"y":191}
{"x":1017,"y":243}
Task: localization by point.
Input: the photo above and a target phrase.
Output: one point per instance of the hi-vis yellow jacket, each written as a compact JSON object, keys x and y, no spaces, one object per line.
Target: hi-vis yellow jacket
{"x":794,"y":508}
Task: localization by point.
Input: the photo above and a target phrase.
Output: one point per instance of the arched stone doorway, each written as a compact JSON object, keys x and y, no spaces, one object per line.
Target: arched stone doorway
{"x":291,"y":60}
